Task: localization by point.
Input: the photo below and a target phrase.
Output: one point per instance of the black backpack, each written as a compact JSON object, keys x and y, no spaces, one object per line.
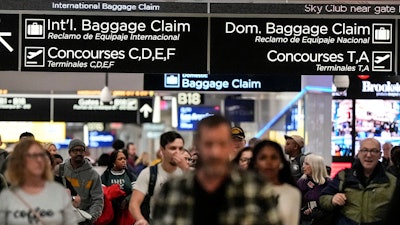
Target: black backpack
{"x":3,"y":182}
{"x":325,"y":217}
{"x":145,"y":206}
{"x":3,"y":160}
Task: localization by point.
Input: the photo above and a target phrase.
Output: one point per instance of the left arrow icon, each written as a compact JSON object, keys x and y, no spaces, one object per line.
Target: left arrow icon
{"x":5,"y":34}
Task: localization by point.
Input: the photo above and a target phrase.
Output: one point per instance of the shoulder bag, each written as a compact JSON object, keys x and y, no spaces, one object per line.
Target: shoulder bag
{"x":29,"y":207}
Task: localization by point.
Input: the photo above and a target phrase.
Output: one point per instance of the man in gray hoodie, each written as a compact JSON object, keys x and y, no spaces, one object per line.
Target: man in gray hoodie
{"x":84,"y":179}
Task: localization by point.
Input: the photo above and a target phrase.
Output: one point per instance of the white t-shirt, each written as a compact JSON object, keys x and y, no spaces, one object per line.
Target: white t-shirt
{"x":289,"y":203}
{"x":142,"y":182}
{"x":53,"y":204}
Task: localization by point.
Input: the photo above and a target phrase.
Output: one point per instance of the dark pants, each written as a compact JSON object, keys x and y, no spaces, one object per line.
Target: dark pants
{"x":86,"y":222}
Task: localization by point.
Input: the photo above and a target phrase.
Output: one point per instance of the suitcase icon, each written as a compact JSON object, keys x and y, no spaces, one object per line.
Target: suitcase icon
{"x":35,"y":29}
{"x":172,"y":80}
{"x":382,"y":34}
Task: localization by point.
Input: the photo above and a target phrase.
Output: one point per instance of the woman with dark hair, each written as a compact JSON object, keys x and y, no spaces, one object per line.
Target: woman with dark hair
{"x":394,"y":167}
{"x":118,"y":144}
{"x":116,"y":173}
{"x":58,"y":159}
{"x":269,"y":161}
{"x":102,"y":163}
{"x":243,"y":158}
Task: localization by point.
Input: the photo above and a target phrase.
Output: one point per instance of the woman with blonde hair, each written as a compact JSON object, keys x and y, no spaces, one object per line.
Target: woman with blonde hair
{"x":314,"y":179}
{"x":50,"y":147}
{"x":27,"y":200}
{"x":142,"y":162}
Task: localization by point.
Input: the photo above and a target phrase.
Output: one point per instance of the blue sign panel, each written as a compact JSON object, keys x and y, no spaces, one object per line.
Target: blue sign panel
{"x":62,"y":144}
{"x":239,"y":110}
{"x":189,"y":116}
{"x":100,"y":139}
{"x":221,"y":82}
{"x":292,"y":118}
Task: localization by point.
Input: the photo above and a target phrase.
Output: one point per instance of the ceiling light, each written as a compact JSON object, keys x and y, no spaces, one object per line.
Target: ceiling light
{"x":105,"y":94}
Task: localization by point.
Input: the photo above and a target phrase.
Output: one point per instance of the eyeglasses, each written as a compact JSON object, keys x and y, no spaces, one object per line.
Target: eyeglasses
{"x":373,"y":151}
{"x":76,"y":150}
{"x":189,"y":160}
{"x":244,"y":160}
{"x":36,"y":155}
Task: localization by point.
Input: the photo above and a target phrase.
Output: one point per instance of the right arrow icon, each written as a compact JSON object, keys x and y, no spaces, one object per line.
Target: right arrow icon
{"x":146,"y":110}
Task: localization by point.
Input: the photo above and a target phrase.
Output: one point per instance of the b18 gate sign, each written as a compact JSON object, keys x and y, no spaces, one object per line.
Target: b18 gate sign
{"x":302,"y":46}
{"x":113,"y":43}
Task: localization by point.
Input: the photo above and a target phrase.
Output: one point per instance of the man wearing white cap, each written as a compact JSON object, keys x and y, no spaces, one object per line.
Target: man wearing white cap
{"x":293,"y":147}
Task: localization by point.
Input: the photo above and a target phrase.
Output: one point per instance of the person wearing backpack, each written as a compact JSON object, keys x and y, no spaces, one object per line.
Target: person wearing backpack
{"x":3,"y":157}
{"x":362,"y":193}
{"x":293,"y":147}
{"x":85,"y":180}
{"x":152,"y":178}
{"x":3,"y":182}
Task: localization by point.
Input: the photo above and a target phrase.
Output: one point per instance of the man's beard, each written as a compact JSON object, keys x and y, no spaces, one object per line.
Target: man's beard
{"x":79,"y":159}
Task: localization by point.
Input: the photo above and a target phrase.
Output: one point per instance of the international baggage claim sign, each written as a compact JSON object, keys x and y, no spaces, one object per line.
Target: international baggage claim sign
{"x":303,"y":46}
{"x":113,"y":43}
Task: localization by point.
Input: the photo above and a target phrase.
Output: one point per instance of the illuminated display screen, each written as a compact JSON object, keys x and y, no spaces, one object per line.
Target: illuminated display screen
{"x":341,"y":128}
{"x":43,"y":131}
{"x":379,"y":119}
{"x":188,"y":116}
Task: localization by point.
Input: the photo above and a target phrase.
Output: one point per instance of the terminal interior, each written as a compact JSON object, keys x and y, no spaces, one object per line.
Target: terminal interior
{"x":315,"y":108}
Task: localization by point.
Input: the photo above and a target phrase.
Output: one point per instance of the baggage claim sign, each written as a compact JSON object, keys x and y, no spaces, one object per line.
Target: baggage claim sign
{"x":113,"y":43}
{"x":306,"y":46}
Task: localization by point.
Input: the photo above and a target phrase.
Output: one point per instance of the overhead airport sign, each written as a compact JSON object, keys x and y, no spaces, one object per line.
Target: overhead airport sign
{"x":214,"y":7}
{"x":145,"y":114}
{"x":24,"y":109}
{"x":105,"y":6}
{"x":317,"y":9}
{"x":303,"y":46}
{"x":93,"y":110}
{"x":190,"y":98}
{"x":9,"y":42}
{"x":207,"y":82}
{"x":114,"y":44}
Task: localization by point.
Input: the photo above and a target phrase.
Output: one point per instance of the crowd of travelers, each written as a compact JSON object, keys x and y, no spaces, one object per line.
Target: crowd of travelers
{"x":221,"y":179}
